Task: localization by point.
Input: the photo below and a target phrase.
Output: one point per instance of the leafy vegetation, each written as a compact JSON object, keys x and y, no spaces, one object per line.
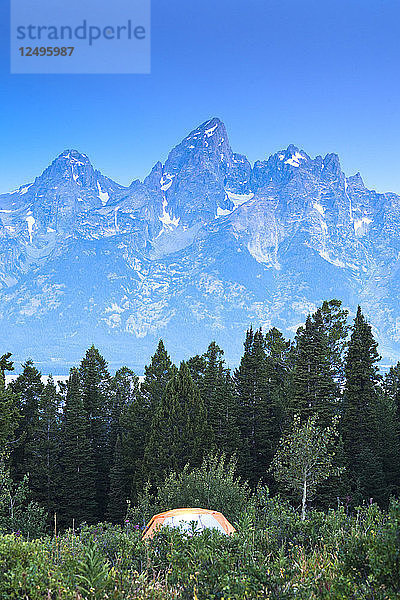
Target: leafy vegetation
{"x":299,"y":448}
{"x":274,"y":554}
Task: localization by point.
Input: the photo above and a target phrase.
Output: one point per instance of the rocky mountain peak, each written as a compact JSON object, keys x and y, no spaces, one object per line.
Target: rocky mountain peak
{"x":70,"y":165}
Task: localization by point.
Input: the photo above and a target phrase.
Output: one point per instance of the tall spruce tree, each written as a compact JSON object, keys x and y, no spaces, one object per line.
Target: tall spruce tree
{"x":258,"y":412}
{"x":29,"y":388}
{"x":386,"y":436}
{"x":392,"y":386}
{"x":156,"y":375}
{"x":95,"y":385}
{"x":124,"y":391}
{"x":215,"y":384}
{"x":134,"y":428}
{"x":361,"y":396}
{"x":118,"y":494}
{"x":179,"y":431}
{"x":45,"y":477}
{"x":333,"y":320}
{"x":314,"y":390}
{"x":77,"y":498}
{"x":9,"y":415}
{"x":279,"y":366}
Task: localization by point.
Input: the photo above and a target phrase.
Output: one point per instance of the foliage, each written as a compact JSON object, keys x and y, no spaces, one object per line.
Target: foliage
{"x":18,"y":513}
{"x":304,"y":458}
{"x":214,"y":485}
{"x":332,"y":556}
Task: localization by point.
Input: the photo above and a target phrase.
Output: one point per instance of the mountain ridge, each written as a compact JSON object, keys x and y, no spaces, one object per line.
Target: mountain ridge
{"x":207,"y":240}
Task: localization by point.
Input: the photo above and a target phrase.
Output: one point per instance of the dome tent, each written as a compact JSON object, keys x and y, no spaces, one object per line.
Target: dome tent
{"x":186,"y":519}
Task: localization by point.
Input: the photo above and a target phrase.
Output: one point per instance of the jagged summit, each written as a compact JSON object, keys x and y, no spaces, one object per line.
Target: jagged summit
{"x":69,"y":163}
{"x":73,"y":155}
{"x":207,"y":243}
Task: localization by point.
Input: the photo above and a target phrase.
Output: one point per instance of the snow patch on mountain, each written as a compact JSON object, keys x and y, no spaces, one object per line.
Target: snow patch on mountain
{"x":360,"y":225}
{"x":166,"y":218}
{"x":239,"y":199}
{"x":31,"y":221}
{"x":104,"y":196}
{"x":318,"y":206}
{"x":166,"y":181}
{"x":210,"y":132}
{"x":222,"y":212}
{"x":295,"y":159}
{"x":23,"y":190}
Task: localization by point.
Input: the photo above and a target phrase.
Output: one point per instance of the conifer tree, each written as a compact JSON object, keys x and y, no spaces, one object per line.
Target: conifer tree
{"x":386,"y":442}
{"x":124,"y":392}
{"x":29,"y":389}
{"x":258,"y":417}
{"x":95,"y":386}
{"x":134,"y":426}
{"x":314,"y":390}
{"x":217,"y":392}
{"x":361,"y":395}
{"x":9,"y":415}
{"x":78,"y":486}
{"x":118,"y":494}
{"x":45,"y":477}
{"x":279,"y":366}
{"x":157,"y":375}
{"x":334,"y":323}
{"x":197,"y":366}
{"x":179,"y":431}
{"x":392,"y":386}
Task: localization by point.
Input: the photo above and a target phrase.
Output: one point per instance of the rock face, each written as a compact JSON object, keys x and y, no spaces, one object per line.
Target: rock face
{"x":204,"y":246}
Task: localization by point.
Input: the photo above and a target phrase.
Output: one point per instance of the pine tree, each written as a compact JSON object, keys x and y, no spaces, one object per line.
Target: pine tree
{"x":118,"y":495}
{"x":259,"y":415}
{"x":361,"y":395}
{"x":197,"y":365}
{"x":124,"y":392}
{"x":45,"y":477}
{"x":387,"y":445}
{"x":279,"y":366}
{"x":95,"y":385}
{"x":334,"y":323}
{"x":9,"y":415}
{"x":78,"y":487}
{"x":157,"y":375}
{"x":217,"y":392}
{"x":29,"y":389}
{"x":134,"y":426}
{"x":392,"y":386}
{"x":314,"y":390}
{"x":179,"y":432}
{"x":388,"y":428}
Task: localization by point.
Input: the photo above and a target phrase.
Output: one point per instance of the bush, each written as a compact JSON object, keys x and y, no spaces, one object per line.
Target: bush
{"x":274,"y":555}
{"x":384,"y":550}
{"x":214,"y":485}
{"x":17,"y":513}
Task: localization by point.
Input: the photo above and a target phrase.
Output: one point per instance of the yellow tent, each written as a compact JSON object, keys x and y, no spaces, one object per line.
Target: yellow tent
{"x":183,"y":518}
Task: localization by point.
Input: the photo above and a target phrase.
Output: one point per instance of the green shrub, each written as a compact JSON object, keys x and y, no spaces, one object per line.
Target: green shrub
{"x":384,"y":550}
{"x":214,"y":485}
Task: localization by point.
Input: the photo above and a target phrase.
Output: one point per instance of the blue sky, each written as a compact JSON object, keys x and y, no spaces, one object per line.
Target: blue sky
{"x":321,"y":75}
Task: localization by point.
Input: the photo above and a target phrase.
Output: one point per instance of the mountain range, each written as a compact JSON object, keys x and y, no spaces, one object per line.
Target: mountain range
{"x":205,"y":246}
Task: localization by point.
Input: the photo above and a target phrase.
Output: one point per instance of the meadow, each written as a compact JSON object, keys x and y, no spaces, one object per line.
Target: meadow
{"x":273,"y":554}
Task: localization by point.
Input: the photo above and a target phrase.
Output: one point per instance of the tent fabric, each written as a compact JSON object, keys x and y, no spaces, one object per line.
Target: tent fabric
{"x":188,"y":518}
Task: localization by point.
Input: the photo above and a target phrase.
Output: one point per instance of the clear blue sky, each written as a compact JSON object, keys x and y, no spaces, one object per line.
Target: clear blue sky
{"x":322,"y":75}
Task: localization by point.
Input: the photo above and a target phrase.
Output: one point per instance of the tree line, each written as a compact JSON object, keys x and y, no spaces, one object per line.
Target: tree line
{"x":86,"y":447}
